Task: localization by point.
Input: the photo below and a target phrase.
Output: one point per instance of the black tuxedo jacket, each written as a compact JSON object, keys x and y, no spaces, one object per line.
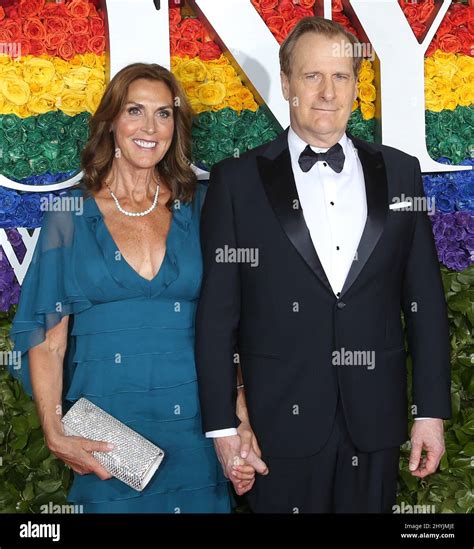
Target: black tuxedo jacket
{"x":284,"y":321}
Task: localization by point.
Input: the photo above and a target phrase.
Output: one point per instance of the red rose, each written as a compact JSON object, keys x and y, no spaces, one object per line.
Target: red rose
{"x":190,"y":27}
{"x":80,"y":42}
{"x":66,"y":50}
{"x":432,"y":48}
{"x":97,"y":45}
{"x":25,"y":47}
{"x":460,"y":14}
{"x":2,"y":13}
{"x":53,"y":41}
{"x":93,"y":11}
{"x":188,"y":47}
{"x":14,"y":28}
{"x":289,"y":25}
{"x":209,"y":50}
{"x":55,"y":25}
{"x":470,"y":27}
{"x":467,"y":41}
{"x":425,"y":11}
{"x":286,"y":9}
{"x":37,"y":47}
{"x":30,"y":8}
{"x":51,"y":9}
{"x":276,"y":23}
{"x":11,"y":12}
{"x":96,"y":26}
{"x":306,"y":4}
{"x":418,"y":29}
{"x":175,"y":16}
{"x":301,"y":12}
{"x":78,"y":8}
{"x":267,"y":5}
{"x":173,"y":45}
{"x":446,"y":26}
{"x":79,"y":25}
{"x":336,"y":5}
{"x":5,"y":35}
{"x":450,"y":43}
{"x":34,"y":29}
{"x":411,"y":12}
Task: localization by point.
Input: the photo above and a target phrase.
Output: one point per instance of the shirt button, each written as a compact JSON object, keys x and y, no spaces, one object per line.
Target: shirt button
{"x":338,"y":294}
{"x":324,"y":164}
{"x":332,"y":203}
{"x":337,"y":248}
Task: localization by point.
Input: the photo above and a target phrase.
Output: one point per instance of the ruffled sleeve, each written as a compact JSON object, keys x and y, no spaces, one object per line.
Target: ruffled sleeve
{"x":49,"y":291}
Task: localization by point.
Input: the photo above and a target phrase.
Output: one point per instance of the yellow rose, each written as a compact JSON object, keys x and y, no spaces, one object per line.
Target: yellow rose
{"x":61,"y":66}
{"x":211,"y":93}
{"x":191,"y":89}
{"x":367,"y":110}
{"x":193,"y":70}
{"x":196,"y":105}
{"x":430,"y":68}
{"x":434,"y":103}
{"x":229,"y":72}
{"x":5,"y":61}
{"x":446,"y":69}
{"x":216,"y":73}
{"x":219,"y":106}
{"x":234,"y":103}
{"x":450,"y":101}
{"x":250,"y":105}
{"x":15,"y":90}
{"x":367,"y":92}
{"x":465,"y":64}
{"x":233,"y":86}
{"x":89,"y":60}
{"x":355,"y":105}
{"x":441,"y":56}
{"x":466,"y":95}
{"x":366,"y":74}
{"x":41,"y":103}
{"x":244,"y":94}
{"x":38,"y":71}
{"x":222,"y":60}
{"x":176,"y":61}
{"x":72,"y":102}
{"x":76,"y":79}
{"x":56,"y":87}
{"x":96,"y":75}
{"x":76,"y":61}
{"x":94,"y":92}
{"x":21,"y":110}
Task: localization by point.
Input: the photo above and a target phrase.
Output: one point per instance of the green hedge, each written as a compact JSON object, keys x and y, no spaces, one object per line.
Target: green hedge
{"x":31,"y":477}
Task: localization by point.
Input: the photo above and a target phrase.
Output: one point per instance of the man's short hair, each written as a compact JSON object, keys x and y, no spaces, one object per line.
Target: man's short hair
{"x":324,"y":27}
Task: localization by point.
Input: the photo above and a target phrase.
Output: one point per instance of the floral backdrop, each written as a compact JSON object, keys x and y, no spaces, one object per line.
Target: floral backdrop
{"x":48,"y":95}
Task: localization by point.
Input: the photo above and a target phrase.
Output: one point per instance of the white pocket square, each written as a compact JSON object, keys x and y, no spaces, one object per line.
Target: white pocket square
{"x":398,"y":205}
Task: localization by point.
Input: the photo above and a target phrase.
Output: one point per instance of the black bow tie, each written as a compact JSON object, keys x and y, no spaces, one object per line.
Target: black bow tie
{"x":334,"y":157}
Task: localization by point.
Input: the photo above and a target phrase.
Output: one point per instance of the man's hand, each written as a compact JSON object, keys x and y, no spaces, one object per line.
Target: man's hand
{"x":426,"y":434}
{"x":250,"y":452}
{"x":237,"y":470}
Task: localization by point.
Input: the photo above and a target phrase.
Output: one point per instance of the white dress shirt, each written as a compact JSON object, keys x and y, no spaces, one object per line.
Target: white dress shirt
{"x":335,"y":211}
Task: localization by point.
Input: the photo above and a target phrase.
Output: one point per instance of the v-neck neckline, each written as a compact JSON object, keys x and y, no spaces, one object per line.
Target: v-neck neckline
{"x":147,"y":281}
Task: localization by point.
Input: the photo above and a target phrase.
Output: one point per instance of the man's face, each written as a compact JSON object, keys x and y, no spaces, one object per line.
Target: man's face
{"x":321,"y":89}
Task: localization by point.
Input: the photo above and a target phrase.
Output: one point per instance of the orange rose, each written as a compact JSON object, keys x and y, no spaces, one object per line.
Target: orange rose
{"x":2,"y":13}
{"x":5,"y":35}
{"x":276,"y":23}
{"x":336,"y":5}
{"x":175,"y":16}
{"x":467,"y":41}
{"x":425,"y":11}
{"x":267,"y":5}
{"x":80,"y":42}
{"x":96,"y":26}
{"x":306,"y":4}
{"x":53,"y":9}
{"x":53,"y":41}
{"x":79,"y":25}
{"x":446,"y":26}
{"x":188,"y":47}
{"x":78,"y":8}
{"x":25,"y":46}
{"x":418,"y":29}
{"x":65,"y":50}
{"x":34,"y":29}
{"x":14,"y":28}
{"x":450,"y":43}
{"x":30,"y":8}
{"x":97,"y":45}
{"x":38,"y":47}
{"x":190,"y":27}
{"x":286,"y":9}
{"x":302,"y":11}
{"x":209,"y":50}
{"x":459,"y":14}
{"x":55,"y":25}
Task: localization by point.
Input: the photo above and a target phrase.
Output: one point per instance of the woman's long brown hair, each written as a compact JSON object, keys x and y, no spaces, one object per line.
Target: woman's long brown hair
{"x":99,"y":151}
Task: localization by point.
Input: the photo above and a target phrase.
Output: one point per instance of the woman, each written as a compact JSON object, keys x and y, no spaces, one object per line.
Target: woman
{"x":107,"y":306}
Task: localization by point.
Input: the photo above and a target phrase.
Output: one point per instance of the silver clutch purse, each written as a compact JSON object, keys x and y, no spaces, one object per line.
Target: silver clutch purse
{"x":134,"y":460}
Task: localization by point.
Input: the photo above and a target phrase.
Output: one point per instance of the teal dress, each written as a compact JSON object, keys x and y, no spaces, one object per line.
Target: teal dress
{"x":130,"y":351}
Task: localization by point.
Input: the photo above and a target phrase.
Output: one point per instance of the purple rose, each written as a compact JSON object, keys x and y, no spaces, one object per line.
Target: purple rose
{"x":457,"y":259}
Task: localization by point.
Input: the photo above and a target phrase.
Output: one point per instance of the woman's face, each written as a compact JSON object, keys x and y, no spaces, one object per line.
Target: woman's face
{"x":144,"y":128}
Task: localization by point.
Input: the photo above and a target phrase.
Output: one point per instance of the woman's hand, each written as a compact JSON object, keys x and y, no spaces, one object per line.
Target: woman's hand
{"x":75,"y":452}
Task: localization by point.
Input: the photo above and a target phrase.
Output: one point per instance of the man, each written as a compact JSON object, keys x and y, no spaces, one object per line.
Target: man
{"x":317,"y":322}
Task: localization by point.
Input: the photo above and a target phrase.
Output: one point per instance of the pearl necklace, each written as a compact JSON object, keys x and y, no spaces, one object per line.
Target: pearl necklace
{"x":136,"y":214}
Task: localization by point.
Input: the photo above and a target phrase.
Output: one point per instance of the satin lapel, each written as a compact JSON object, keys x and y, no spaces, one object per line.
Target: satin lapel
{"x":279,"y":183}
{"x":375,"y":177}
